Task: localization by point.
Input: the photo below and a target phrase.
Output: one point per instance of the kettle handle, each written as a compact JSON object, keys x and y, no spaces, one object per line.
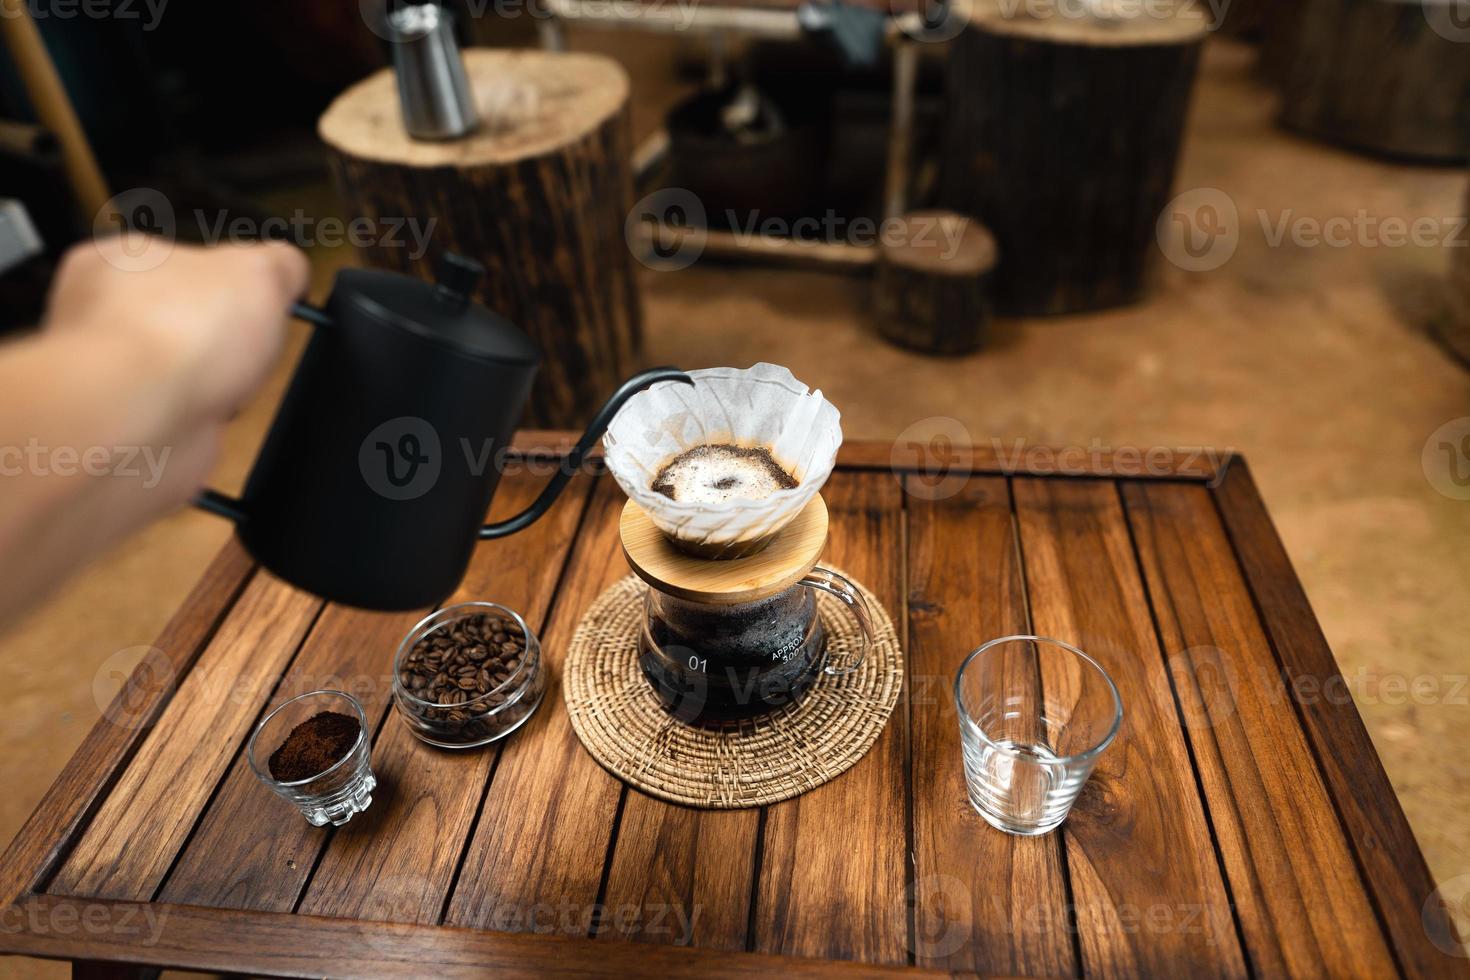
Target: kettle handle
{"x":572,"y":462}
{"x":222,"y":504}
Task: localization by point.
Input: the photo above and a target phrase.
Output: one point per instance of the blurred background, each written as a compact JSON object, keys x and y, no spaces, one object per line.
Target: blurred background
{"x":1216,"y":225}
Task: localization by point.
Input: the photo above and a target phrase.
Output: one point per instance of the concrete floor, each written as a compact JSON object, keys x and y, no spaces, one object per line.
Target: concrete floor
{"x":1314,"y":361}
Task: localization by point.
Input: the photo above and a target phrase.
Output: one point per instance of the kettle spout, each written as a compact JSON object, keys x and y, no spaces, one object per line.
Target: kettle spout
{"x":572,"y":462}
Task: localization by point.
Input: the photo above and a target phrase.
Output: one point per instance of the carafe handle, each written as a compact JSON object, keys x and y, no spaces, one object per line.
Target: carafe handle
{"x":831,"y":583}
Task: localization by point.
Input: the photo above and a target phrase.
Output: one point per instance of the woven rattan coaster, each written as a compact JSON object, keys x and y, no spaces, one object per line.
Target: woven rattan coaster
{"x":749,"y":763}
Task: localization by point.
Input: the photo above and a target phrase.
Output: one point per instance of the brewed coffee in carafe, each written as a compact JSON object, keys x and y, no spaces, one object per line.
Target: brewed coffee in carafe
{"x":723,"y":662}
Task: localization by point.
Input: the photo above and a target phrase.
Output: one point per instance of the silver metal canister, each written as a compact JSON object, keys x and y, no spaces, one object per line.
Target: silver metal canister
{"x":432,"y":87}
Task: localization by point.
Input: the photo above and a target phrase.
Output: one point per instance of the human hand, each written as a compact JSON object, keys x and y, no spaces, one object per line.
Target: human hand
{"x":211,"y":320}
{"x":147,"y":358}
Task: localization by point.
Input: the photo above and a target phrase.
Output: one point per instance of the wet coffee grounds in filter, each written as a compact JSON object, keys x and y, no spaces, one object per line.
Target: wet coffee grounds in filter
{"x":715,"y":472}
{"x":314,"y":746}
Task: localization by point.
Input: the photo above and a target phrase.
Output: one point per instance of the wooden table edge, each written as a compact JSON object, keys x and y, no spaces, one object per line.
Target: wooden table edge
{"x":284,"y":944}
{"x":1388,"y":855}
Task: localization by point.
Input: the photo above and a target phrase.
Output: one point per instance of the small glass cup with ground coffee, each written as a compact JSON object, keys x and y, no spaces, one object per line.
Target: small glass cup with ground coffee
{"x":313,"y":751}
{"x":468,"y":675}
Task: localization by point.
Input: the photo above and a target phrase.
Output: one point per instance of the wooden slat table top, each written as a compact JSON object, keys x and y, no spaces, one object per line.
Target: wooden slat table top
{"x":1240,"y":825}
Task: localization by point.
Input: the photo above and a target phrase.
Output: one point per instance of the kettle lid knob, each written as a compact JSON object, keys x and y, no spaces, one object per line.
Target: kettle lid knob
{"x":456,"y":277}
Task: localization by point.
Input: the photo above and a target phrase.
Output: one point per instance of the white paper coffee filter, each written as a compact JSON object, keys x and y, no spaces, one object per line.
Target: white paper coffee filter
{"x":760,"y":406}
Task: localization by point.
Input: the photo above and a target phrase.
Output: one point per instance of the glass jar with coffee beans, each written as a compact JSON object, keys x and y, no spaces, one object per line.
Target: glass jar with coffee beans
{"x":467,"y":675}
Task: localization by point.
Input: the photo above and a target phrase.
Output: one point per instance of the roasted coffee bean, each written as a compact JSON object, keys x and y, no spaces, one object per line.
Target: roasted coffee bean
{"x":460,"y":668}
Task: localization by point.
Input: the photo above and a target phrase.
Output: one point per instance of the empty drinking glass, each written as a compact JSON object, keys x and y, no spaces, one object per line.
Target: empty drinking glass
{"x":344,"y":787}
{"x":1034,"y":715}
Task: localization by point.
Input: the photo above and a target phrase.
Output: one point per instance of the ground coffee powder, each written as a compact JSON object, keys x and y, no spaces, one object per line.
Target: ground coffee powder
{"x":314,"y":746}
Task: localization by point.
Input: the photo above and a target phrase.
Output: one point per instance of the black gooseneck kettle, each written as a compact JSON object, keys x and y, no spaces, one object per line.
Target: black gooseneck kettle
{"x":375,"y":476}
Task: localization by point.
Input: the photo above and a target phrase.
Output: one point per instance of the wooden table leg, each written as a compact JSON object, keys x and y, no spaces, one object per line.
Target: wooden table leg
{"x":98,"y":970}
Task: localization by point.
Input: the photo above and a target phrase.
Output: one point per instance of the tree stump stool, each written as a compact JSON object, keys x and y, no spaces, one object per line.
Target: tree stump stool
{"x":933,"y":288}
{"x":538,"y":194}
{"x":1062,"y":136}
{"x":1379,"y":75}
{"x":1454,"y":327}
{"x":1244,"y":19}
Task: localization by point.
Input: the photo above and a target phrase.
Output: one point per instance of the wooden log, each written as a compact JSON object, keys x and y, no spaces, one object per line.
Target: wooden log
{"x":1279,"y":25}
{"x":933,"y":288}
{"x":539,"y":195}
{"x":1453,"y":327}
{"x":1062,"y":136}
{"x":1379,"y":75}
{"x":1243,"y":19}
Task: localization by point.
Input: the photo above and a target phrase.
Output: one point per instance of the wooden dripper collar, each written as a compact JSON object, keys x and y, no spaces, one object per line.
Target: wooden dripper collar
{"x":778,"y":566}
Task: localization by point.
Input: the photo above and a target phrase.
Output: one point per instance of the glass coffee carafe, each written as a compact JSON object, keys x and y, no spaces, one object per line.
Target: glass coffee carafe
{"x":728,"y":639}
{"x":714,"y":662}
